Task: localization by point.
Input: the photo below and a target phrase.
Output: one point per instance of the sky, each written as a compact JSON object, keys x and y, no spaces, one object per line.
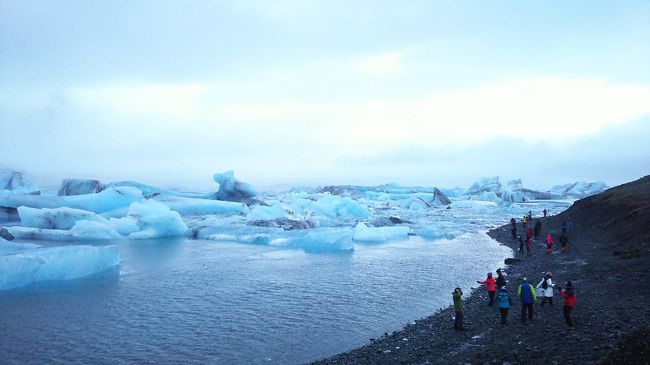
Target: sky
{"x":326,"y":92}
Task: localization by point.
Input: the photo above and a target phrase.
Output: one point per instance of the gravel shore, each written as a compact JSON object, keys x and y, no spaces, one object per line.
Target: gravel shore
{"x":609,"y":269}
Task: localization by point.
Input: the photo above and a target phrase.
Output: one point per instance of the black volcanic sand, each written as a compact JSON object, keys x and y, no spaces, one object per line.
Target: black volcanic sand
{"x":608,"y":264}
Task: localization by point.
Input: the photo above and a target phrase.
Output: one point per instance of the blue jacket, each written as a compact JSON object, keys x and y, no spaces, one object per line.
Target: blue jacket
{"x":527,"y":293}
{"x":504,"y":299}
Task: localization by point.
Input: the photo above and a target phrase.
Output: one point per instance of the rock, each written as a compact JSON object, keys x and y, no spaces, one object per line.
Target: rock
{"x":284,"y":223}
{"x":511,"y":261}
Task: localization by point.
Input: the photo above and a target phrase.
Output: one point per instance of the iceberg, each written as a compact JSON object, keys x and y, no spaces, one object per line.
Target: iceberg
{"x":106,"y":200}
{"x":56,"y":218}
{"x":16,"y":181}
{"x":321,"y":240}
{"x":363,"y":233}
{"x":27,"y":264}
{"x":439,"y":198}
{"x":144,"y":219}
{"x":79,"y":187}
{"x":231,"y":189}
{"x":195,"y":206}
{"x":580,"y":189}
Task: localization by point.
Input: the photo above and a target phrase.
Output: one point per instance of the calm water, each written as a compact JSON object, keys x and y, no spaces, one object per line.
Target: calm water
{"x":183,"y":301}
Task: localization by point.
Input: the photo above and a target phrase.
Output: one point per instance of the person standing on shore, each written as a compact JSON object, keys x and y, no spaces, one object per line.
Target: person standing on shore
{"x":501,"y":280}
{"x":505,"y":301}
{"x":527,"y":297}
{"x":538,"y":229}
{"x":490,"y":282}
{"x":564,"y":242}
{"x":524,"y":220}
{"x":529,"y":235}
{"x":513,"y":229}
{"x":521,"y":244}
{"x":545,"y":212}
{"x":458,"y":309}
{"x":547,"y":285}
{"x":549,"y":243}
{"x":569,"y":296}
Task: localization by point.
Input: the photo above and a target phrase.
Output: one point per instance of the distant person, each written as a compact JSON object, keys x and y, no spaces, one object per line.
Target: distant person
{"x":547,"y":285}
{"x":524,"y":220}
{"x":458,"y":309}
{"x":569,"y":296}
{"x":505,"y":301}
{"x":513,"y":228}
{"x":490,"y":282}
{"x":529,"y":245}
{"x":501,"y":280}
{"x":549,"y":243}
{"x":521,"y":244}
{"x":545,"y":212}
{"x":527,"y":297}
{"x":530,"y":215}
{"x":564,"y":242}
{"x":538,"y":229}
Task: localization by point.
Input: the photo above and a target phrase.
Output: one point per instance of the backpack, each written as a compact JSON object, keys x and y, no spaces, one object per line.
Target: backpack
{"x":545,"y":284}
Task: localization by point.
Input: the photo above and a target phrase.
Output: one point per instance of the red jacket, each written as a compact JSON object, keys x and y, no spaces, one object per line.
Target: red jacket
{"x":490,"y":284}
{"x":529,"y":233}
{"x":569,"y":301}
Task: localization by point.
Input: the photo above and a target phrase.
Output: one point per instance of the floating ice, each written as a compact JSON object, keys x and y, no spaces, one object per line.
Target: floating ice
{"x":579,"y":189}
{"x":259,"y":212}
{"x":194,"y":206}
{"x":106,"y":200}
{"x":16,"y":181}
{"x":231,"y":189}
{"x":80,"y":187}
{"x":363,"y":233}
{"x":30,"y":265}
{"x":317,"y":240}
{"x":150,"y":219}
{"x":145,"y":219}
{"x":56,"y":218}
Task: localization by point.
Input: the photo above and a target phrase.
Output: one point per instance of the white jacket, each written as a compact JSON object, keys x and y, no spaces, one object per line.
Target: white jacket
{"x":548,"y":292}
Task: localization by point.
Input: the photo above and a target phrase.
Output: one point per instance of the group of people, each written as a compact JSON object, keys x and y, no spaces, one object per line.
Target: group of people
{"x":527,"y":296}
{"x":536,"y":232}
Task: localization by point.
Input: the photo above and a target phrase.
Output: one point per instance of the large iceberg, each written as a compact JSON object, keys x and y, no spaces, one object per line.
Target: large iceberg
{"x":145,"y":219}
{"x":106,"y":200}
{"x":23,"y":264}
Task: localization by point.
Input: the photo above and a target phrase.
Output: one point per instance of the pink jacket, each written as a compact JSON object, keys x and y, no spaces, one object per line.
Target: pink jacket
{"x":549,"y":239}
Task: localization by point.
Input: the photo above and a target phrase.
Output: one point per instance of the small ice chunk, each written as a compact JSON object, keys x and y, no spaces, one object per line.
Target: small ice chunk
{"x":363,"y":233}
{"x":55,"y":218}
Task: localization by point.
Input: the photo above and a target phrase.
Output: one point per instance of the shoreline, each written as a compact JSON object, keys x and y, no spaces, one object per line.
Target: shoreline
{"x":601,"y":324}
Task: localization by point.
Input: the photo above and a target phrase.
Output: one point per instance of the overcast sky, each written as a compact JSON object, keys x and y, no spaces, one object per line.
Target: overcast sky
{"x":327,"y":92}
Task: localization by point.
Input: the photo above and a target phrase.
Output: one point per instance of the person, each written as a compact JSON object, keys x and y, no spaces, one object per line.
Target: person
{"x":538,"y":229}
{"x":549,"y":243}
{"x":564,"y":242}
{"x":501,"y":280}
{"x":458,"y":308}
{"x":529,"y":235}
{"x":530,"y":215}
{"x":505,"y":301}
{"x":521,"y":244}
{"x":524,"y":220}
{"x":569,"y":296}
{"x":490,"y":282}
{"x":545,"y":212}
{"x":513,"y":229}
{"x":547,"y":285}
{"x":527,"y":297}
